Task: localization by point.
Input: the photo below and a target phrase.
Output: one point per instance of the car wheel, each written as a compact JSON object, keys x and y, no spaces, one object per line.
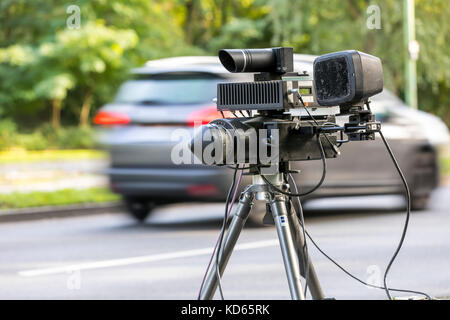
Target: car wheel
{"x":419,"y":203}
{"x":139,"y":209}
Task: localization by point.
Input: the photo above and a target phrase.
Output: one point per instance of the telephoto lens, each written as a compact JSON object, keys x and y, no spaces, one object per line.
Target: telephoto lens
{"x":274,"y":60}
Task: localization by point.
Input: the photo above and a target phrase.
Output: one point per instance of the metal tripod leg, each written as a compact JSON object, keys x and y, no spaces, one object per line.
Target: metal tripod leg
{"x":230,"y":239}
{"x":288,"y":248}
{"x":313,"y":281}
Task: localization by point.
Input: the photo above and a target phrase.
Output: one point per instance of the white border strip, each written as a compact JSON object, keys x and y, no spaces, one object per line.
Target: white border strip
{"x":140,"y":259}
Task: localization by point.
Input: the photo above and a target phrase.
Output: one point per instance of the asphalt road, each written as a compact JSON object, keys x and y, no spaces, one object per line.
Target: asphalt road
{"x":110,"y":256}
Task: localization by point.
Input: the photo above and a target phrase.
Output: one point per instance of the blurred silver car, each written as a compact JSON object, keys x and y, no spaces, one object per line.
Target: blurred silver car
{"x":173,"y":93}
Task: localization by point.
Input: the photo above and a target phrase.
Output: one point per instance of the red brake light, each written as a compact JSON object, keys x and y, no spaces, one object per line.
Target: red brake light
{"x":202,"y":190}
{"x":204,"y":116}
{"x":105,"y":118}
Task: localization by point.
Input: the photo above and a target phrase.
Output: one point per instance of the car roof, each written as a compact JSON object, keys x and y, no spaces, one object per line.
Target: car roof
{"x":207,"y":64}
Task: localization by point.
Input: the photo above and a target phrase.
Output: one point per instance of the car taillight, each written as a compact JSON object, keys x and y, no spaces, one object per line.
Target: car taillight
{"x":203,"y":116}
{"x":202,"y":190}
{"x":106,"y":118}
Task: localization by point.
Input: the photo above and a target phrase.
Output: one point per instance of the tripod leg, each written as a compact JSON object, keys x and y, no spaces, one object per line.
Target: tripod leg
{"x":313,"y":281}
{"x":287,"y":244}
{"x":230,"y":239}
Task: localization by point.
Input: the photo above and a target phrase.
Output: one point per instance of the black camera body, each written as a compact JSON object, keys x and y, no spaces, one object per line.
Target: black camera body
{"x":344,"y":79}
{"x":274,"y":81}
{"x":347,"y":78}
{"x":240,"y":140}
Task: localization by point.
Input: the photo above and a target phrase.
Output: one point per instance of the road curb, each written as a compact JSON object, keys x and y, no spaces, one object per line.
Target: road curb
{"x":37,"y":213}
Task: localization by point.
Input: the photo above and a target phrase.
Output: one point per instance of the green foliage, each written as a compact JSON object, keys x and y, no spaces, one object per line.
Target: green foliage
{"x":46,"y":137}
{"x":89,"y":53}
{"x":8,"y":133}
{"x":48,"y":64}
{"x":239,"y":33}
{"x":445,"y":166}
{"x":75,"y":138}
{"x":45,"y":64}
{"x":54,"y":87}
{"x":26,"y":156}
{"x":17,"y":200}
{"x":322,"y":26}
{"x":33,"y":141}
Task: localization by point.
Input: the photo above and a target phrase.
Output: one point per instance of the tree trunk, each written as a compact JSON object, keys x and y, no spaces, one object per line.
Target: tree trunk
{"x":224,"y":17}
{"x":85,"y":109}
{"x":353,"y":9}
{"x":56,"y":113}
{"x":191,"y":20}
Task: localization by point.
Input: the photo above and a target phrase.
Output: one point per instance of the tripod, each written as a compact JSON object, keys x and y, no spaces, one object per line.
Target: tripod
{"x":289,"y":234}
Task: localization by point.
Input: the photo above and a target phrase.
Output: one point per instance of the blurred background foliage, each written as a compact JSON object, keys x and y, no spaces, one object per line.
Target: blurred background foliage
{"x":53,"y":78}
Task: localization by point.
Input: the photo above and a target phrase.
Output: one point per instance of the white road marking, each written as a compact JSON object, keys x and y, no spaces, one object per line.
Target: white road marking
{"x":141,"y":259}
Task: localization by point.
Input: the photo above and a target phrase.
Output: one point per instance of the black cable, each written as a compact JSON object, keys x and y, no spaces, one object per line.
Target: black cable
{"x":297,"y":196}
{"x":356,"y":278}
{"x":305,"y":250}
{"x":342,"y":140}
{"x":408,"y":213}
{"x":408,"y":195}
{"x":324,"y":173}
{"x":303,"y":225}
{"x":317,"y":124}
{"x":219,"y":242}
{"x":302,"y":222}
{"x":385,"y":287}
{"x":222,"y":232}
{"x":244,"y":168}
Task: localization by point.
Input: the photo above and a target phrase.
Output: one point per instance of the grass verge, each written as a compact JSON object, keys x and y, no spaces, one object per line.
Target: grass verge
{"x":24,"y":156}
{"x":445,"y":166}
{"x":18,"y":200}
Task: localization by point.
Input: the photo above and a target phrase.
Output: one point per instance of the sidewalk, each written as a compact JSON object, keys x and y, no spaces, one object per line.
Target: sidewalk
{"x":52,"y":175}
{"x":36,"y":213}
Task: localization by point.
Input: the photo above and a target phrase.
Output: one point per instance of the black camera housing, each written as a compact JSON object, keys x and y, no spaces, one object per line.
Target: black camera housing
{"x":347,"y":78}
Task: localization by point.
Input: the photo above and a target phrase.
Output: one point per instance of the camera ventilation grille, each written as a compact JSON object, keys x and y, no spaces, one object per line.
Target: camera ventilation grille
{"x":264,"y":95}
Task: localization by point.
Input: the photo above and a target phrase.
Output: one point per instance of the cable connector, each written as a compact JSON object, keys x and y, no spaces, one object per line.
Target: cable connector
{"x":374,"y":126}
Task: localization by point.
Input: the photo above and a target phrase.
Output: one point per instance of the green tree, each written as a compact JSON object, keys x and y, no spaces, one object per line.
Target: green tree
{"x":93,"y":56}
{"x":214,"y":24}
{"x":42,"y":62}
{"x":322,"y":26}
{"x":310,"y":28}
{"x":40,"y":58}
{"x":90,"y":57}
{"x":16,"y":80}
{"x":54,"y":87}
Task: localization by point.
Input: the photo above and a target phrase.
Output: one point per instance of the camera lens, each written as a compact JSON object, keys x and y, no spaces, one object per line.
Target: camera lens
{"x":248,"y":60}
